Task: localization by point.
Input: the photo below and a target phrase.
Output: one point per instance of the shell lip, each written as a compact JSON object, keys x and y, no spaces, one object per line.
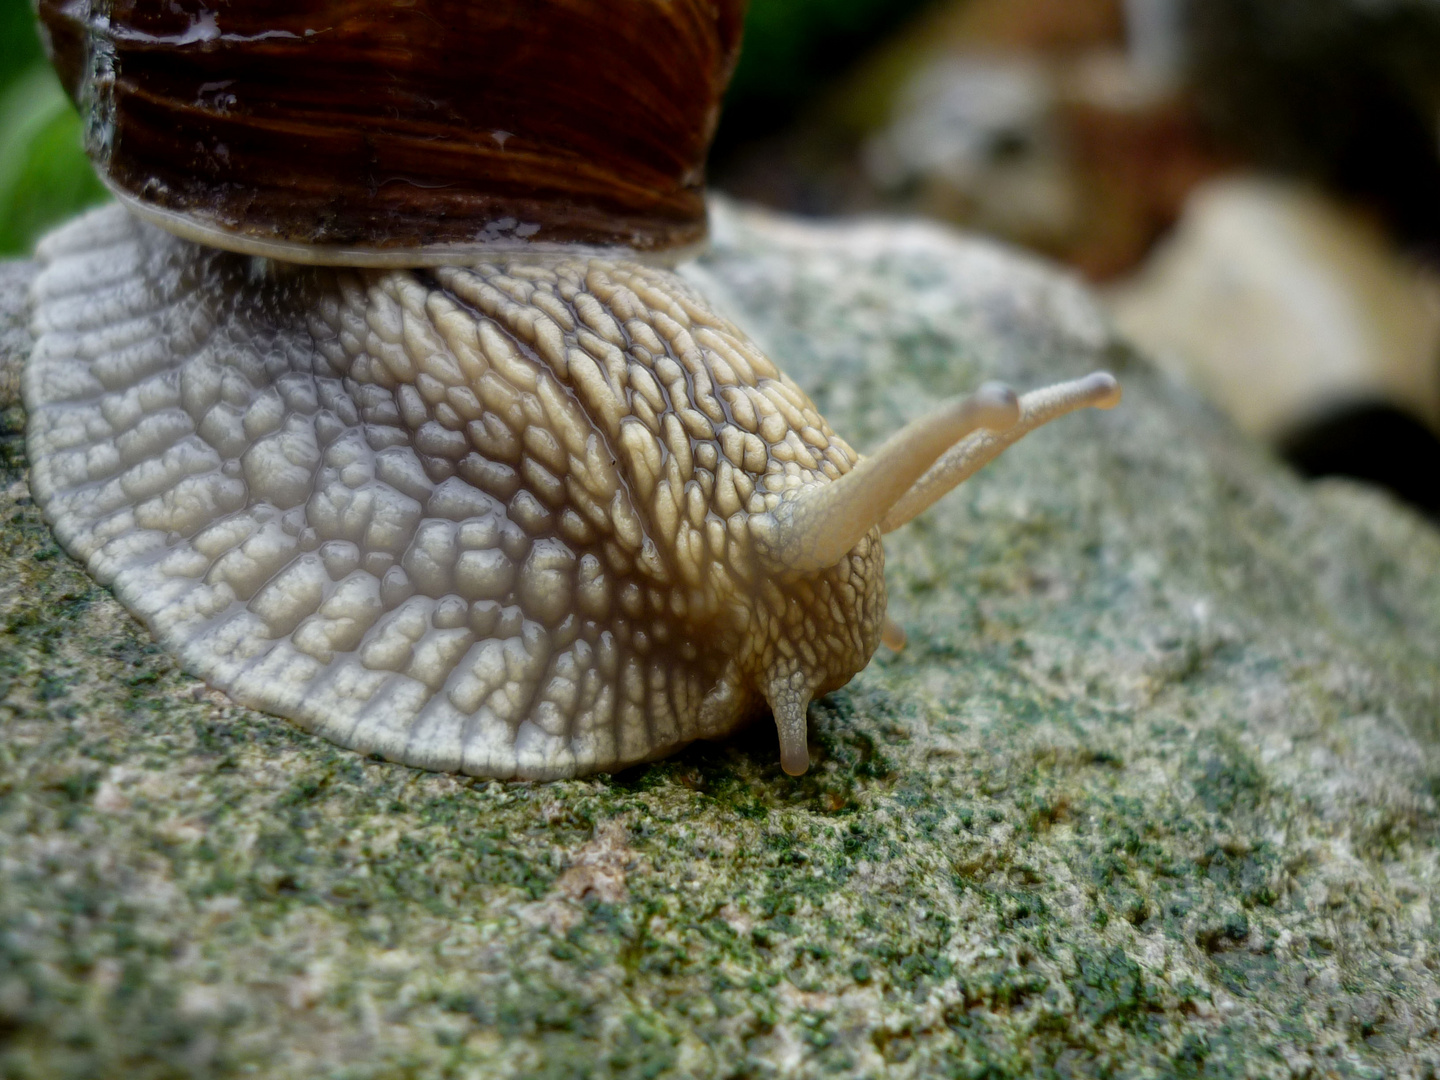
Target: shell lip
{"x":455,"y":253}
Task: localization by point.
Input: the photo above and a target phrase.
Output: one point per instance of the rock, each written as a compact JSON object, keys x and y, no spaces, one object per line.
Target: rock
{"x":975,"y":138}
{"x":1153,"y":782}
{"x":1062,"y":126}
{"x":14,"y":336}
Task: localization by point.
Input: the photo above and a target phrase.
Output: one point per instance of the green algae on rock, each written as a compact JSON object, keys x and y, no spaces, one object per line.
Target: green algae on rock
{"x":1151,"y":791}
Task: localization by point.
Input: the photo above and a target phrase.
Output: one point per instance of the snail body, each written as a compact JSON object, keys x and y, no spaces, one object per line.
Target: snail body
{"x":531,"y":510}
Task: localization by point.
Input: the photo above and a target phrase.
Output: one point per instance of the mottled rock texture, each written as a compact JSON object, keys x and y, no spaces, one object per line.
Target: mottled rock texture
{"x":1150,"y":792}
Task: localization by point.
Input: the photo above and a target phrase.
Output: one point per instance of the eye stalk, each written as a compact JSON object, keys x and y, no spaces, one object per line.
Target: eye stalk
{"x":815,"y":526}
{"x":1099,"y":390}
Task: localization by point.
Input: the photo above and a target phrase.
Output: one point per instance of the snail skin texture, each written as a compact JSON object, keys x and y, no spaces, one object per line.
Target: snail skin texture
{"x":437,"y":469}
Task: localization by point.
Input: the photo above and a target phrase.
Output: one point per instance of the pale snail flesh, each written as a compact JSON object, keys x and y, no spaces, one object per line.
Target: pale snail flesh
{"x":537,"y":515}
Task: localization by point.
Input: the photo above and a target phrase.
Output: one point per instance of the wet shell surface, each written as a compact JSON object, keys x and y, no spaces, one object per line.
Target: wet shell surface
{"x":498,"y":519}
{"x":361,"y":133}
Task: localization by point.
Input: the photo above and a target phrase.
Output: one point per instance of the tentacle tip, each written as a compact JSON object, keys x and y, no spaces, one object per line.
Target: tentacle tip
{"x":1105,"y":389}
{"x":892,"y":635}
{"x":789,"y":698}
{"x":998,"y":405}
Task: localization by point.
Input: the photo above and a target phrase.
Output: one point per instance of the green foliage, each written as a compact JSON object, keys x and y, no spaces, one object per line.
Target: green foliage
{"x":19,"y":43}
{"x":792,"y":49}
{"x":44,"y":174}
{"x":789,"y":44}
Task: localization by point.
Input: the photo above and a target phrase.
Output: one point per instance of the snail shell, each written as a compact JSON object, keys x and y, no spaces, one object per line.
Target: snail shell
{"x":537,"y":514}
{"x":401,"y":134}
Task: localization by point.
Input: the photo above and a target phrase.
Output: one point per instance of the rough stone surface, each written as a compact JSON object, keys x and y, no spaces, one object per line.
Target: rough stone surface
{"x":1150,"y":792}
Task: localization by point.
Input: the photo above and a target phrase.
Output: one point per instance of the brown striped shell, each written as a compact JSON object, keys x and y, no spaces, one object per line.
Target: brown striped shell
{"x":361,"y":132}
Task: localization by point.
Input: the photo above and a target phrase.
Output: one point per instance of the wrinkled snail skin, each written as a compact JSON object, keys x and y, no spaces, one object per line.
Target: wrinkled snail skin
{"x":513,"y":506}
{"x":491,"y":520}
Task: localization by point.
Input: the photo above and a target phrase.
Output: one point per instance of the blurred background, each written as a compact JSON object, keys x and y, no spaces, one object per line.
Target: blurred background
{"x":1253,"y":186}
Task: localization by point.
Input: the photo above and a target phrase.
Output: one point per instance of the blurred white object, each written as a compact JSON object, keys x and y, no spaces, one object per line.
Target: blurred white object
{"x":976,"y":136}
{"x":1280,"y":304}
{"x":1154,"y":31}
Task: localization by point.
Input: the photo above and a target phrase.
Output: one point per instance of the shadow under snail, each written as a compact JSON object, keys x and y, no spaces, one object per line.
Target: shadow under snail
{"x":371,"y":398}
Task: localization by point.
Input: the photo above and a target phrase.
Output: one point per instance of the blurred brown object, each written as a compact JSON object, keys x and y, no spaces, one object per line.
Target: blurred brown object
{"x":1139,"y":149}
{"x":1049,"y":27}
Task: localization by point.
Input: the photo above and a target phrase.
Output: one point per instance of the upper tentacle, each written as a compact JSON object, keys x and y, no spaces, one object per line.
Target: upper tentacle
{"x":1099,"y":390}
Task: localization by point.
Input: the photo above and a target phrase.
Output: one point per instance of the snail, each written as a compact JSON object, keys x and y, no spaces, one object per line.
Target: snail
{"x":374,"y":398}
